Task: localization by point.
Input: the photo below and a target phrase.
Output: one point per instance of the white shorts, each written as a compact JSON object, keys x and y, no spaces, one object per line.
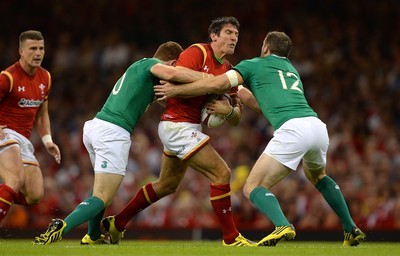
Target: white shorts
{"x":14,"y":139}
{"x":181,"y":139}
{"x":300,"y":139}
{"x":108,"y":146}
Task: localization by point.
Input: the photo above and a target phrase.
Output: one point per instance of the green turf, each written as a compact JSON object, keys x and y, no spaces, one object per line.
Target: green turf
{"x":193,"y":248}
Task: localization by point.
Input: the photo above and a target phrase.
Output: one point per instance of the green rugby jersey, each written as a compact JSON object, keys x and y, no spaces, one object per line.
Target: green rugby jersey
{"x":276,"y":85}
{"x":131,"y":95}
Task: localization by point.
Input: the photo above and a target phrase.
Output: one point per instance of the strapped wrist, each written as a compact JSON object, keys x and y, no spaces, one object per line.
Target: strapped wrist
{"x":47,"y":138}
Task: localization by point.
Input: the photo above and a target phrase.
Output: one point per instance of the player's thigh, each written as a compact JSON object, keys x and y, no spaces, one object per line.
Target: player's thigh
{"x":33,"y":188}
{"x":208,"y":162}
{"x":11,"y":167}
{"x":171,"y":174}
{"x":266,"y":172}
{"x":106,"y":186}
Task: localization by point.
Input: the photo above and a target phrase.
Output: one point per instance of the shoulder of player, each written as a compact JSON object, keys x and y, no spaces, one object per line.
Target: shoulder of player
{"x":42,"y":70}
{"x":12,"y":69}
{"x":44,"y":73}
{"x":198,"y":49}
{"x":146,"y":62}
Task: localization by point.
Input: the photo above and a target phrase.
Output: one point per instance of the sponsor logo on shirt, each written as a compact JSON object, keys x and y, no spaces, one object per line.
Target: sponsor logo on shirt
{"x":29,"y":103}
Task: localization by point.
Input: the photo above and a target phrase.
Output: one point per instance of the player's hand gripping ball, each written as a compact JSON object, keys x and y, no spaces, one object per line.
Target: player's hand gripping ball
{"x":214,"y":120}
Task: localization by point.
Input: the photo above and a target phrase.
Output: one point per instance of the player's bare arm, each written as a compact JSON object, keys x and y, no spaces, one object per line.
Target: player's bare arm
{"x":42,"y":124}
{"x":218,"y":84}
{"x":248,"y":99}
{"x":180,"y":75}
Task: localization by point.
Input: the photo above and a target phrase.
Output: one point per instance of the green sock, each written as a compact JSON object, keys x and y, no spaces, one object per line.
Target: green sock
{"x":94,"y":226}
{"x":332,"y":194}
{"x":267,"y":203}
{"x":83,"y":212}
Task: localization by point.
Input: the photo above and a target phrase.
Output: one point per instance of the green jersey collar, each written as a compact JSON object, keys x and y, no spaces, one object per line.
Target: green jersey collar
{"x":218,"y":58}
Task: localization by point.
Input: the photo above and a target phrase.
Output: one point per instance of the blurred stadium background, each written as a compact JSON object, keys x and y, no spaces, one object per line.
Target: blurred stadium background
{"x":347,"y":52}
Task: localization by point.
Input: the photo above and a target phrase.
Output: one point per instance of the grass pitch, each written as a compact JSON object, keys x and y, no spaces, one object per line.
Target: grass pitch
{"x":193,"y":248}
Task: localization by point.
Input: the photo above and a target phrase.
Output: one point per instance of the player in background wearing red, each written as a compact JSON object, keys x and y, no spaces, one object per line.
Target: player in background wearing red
{"x":186,"y":145}
{"x":24,"y":92}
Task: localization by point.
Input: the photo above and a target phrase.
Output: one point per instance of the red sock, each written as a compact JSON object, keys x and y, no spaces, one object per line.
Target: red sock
{"x":145,"y":197}
{"x":7,"y":196}
{"x":221,"y":201}
{"x":20,"y":199}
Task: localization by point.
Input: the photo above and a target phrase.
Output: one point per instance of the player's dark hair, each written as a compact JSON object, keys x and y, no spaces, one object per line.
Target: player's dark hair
{"x":218,"y":23}
{"x":30,"y":34}
{"x":279,"y":43}
{"x":168,"y":51}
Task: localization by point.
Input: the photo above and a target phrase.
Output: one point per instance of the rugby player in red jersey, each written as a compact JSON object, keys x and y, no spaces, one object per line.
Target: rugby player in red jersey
{"x":24,"y":91}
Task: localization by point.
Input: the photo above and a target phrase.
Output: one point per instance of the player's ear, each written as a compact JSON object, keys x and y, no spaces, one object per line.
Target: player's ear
{"x":213,"y":37}
{"x":264,"y":49}
{"x":172,"y":63}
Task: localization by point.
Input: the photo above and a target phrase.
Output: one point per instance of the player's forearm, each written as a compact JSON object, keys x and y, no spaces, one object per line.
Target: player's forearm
{"x":42,"y":122}
{"x":186,"y":75}
{"x":202,"y":87}
{"x":43,"y":125}
{"x":216,"y":85}
{"x":248,"y":99}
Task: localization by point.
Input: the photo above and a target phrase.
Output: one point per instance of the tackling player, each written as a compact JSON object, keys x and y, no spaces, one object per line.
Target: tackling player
{"x":107,"y":138}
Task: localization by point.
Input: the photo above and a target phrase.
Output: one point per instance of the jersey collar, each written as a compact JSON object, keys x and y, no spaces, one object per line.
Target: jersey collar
{"x":218,"y":58}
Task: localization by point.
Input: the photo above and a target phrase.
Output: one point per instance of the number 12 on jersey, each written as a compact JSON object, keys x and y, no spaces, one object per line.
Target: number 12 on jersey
{"x":294,"y":85}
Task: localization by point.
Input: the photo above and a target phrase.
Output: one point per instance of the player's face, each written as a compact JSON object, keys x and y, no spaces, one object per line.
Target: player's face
{"x":32,"y":52}
{"x":227,"y":39}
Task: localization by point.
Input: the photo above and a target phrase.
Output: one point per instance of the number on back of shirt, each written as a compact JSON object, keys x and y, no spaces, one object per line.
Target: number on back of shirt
{"x":289,"y":76}
{"x":118,"y":85}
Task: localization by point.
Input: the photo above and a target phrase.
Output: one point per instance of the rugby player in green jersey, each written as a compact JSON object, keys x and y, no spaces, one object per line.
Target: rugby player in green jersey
{"x":274,"y":88}
{"x":107,"y":138}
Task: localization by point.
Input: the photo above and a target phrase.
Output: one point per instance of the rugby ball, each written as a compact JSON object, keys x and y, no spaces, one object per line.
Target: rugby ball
{"x":214,"y":120}
{"x":211,"y":120}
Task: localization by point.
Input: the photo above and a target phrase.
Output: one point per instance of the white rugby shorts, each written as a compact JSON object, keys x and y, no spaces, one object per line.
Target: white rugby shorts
{"x":14,"y":139}
{"x":181,"y":139}
{"x":299,"y":139}
{"x":108,"y":146}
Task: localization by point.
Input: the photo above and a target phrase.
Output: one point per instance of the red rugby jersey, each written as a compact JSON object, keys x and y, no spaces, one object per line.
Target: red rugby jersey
{"x":189,"y":109}
{"x":21,"y":96}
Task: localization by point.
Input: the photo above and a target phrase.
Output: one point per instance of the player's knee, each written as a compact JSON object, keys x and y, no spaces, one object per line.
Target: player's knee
{"x":314,"y":175}
{"x":33,"y":201}
{"x":34,"y":198}
{"x":247,"y":188}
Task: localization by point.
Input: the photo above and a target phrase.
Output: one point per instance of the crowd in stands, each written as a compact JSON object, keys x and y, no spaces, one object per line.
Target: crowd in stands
{"x":347,"y":55}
